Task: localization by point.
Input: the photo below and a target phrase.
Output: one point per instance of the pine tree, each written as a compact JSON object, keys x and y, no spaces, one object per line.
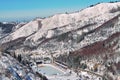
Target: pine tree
{"x":14,"y":55}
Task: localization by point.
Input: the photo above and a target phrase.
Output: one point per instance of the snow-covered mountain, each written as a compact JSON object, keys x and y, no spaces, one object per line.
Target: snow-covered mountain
{"x":6,"y":28}
{"x":77,"y":24}
{"x":91,"y":32}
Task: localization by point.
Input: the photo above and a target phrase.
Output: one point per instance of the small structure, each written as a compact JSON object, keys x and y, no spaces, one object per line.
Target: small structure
{"x":47,"y":60}
{"x":39,"y":61}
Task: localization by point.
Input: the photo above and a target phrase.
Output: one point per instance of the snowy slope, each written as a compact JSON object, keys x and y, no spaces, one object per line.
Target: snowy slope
{"x":76,"y":24}
{"x":98,"y":13}
{"x":91,"y":12}
{"x":23,"y":31}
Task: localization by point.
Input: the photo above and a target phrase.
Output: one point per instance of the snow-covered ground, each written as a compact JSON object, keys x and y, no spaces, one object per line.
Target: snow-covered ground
{"x":10,"y":69}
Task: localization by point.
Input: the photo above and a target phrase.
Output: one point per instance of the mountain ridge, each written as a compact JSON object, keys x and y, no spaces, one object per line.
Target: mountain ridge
{"x":40,"y":28}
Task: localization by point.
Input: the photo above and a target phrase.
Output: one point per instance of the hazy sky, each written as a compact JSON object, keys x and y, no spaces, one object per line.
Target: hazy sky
{"x":26,"y":9}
